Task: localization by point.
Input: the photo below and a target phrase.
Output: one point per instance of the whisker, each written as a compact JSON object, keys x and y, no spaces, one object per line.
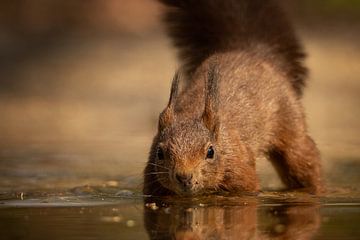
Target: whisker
{"x":153,"y":173}
{"x":157,"y":165}
{"x":151,"y":182}
{"x":154,"y":164}
{"x":157,"y":180}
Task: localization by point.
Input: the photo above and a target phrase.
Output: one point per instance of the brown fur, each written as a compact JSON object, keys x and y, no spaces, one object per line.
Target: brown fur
{"x":244,"y":102}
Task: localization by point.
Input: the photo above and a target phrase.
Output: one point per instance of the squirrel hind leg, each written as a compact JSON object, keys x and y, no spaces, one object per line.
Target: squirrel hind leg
{"x":298,"y":164}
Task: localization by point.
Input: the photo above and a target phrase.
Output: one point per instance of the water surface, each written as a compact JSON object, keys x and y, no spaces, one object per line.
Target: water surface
{"x":111,"y":213}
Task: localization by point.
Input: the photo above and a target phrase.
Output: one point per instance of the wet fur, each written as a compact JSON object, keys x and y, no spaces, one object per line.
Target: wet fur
{"x":243,"y":82}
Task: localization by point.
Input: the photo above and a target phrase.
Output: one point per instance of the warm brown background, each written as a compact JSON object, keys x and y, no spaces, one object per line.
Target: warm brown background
{"x":82,"y":83}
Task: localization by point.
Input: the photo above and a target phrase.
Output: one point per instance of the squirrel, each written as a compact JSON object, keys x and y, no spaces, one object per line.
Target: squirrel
{"x":236,"y":98}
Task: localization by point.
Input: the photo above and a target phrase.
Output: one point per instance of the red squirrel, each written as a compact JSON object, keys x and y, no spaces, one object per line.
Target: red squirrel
{"x":235,"y":99}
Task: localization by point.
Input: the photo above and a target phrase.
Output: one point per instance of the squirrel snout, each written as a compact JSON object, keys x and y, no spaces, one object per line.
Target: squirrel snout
{"x":184,"y":179}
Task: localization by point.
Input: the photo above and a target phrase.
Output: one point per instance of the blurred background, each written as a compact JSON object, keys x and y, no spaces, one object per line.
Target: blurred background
{"x":82,"y":84}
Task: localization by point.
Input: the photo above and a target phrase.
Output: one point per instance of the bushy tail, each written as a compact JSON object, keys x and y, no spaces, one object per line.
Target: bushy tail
{"x":201,"y":27}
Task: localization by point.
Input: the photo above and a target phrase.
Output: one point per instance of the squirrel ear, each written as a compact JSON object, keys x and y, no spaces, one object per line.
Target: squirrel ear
{"x":210,"y":117}
{"x":167,"y":116}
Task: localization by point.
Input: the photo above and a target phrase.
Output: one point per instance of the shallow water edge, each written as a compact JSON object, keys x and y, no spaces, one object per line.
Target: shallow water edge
{"x":110,"y":213}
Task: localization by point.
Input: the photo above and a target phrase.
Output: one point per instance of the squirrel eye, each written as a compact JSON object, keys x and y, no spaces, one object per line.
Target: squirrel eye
{"x":210,"y":153}
{"x":160,"y":153}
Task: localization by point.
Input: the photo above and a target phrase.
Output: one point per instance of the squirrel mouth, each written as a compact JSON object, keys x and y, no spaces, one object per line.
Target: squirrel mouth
{"x":184,"y":184}
{"x":186,"y":190}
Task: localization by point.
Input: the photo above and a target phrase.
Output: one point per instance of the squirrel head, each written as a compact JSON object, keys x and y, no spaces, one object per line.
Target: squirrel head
{"x":186,"y":155}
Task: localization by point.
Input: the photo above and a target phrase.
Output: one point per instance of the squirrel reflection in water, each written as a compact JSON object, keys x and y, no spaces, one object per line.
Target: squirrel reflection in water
{"x":233,"y":222}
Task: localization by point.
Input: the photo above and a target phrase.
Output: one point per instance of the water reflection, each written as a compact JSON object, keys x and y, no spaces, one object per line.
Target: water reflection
{"x":290,"y":222}
{"x":232,"y":222}
{"x":100,"y":216}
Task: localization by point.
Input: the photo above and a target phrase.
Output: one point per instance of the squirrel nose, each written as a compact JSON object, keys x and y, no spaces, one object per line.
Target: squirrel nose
{"x":184,"y":179}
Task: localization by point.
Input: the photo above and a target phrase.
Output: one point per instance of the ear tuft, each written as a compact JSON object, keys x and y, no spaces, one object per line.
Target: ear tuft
{"x":167,"y":116}
{"x":210,"y":117}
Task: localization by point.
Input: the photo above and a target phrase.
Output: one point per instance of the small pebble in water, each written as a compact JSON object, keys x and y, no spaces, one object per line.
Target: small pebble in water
{"x":152,"y":206}
{"x":130,"y":223}
{"x":112,"y":183}
{"x":113,"y":219}
{"x":117,"y":219}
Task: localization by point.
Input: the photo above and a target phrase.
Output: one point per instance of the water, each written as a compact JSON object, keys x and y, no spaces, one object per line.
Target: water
{"x":111,"y":213}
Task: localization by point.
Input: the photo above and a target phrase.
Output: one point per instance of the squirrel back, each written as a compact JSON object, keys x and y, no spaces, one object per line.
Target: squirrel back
{"x":200,"y":28}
